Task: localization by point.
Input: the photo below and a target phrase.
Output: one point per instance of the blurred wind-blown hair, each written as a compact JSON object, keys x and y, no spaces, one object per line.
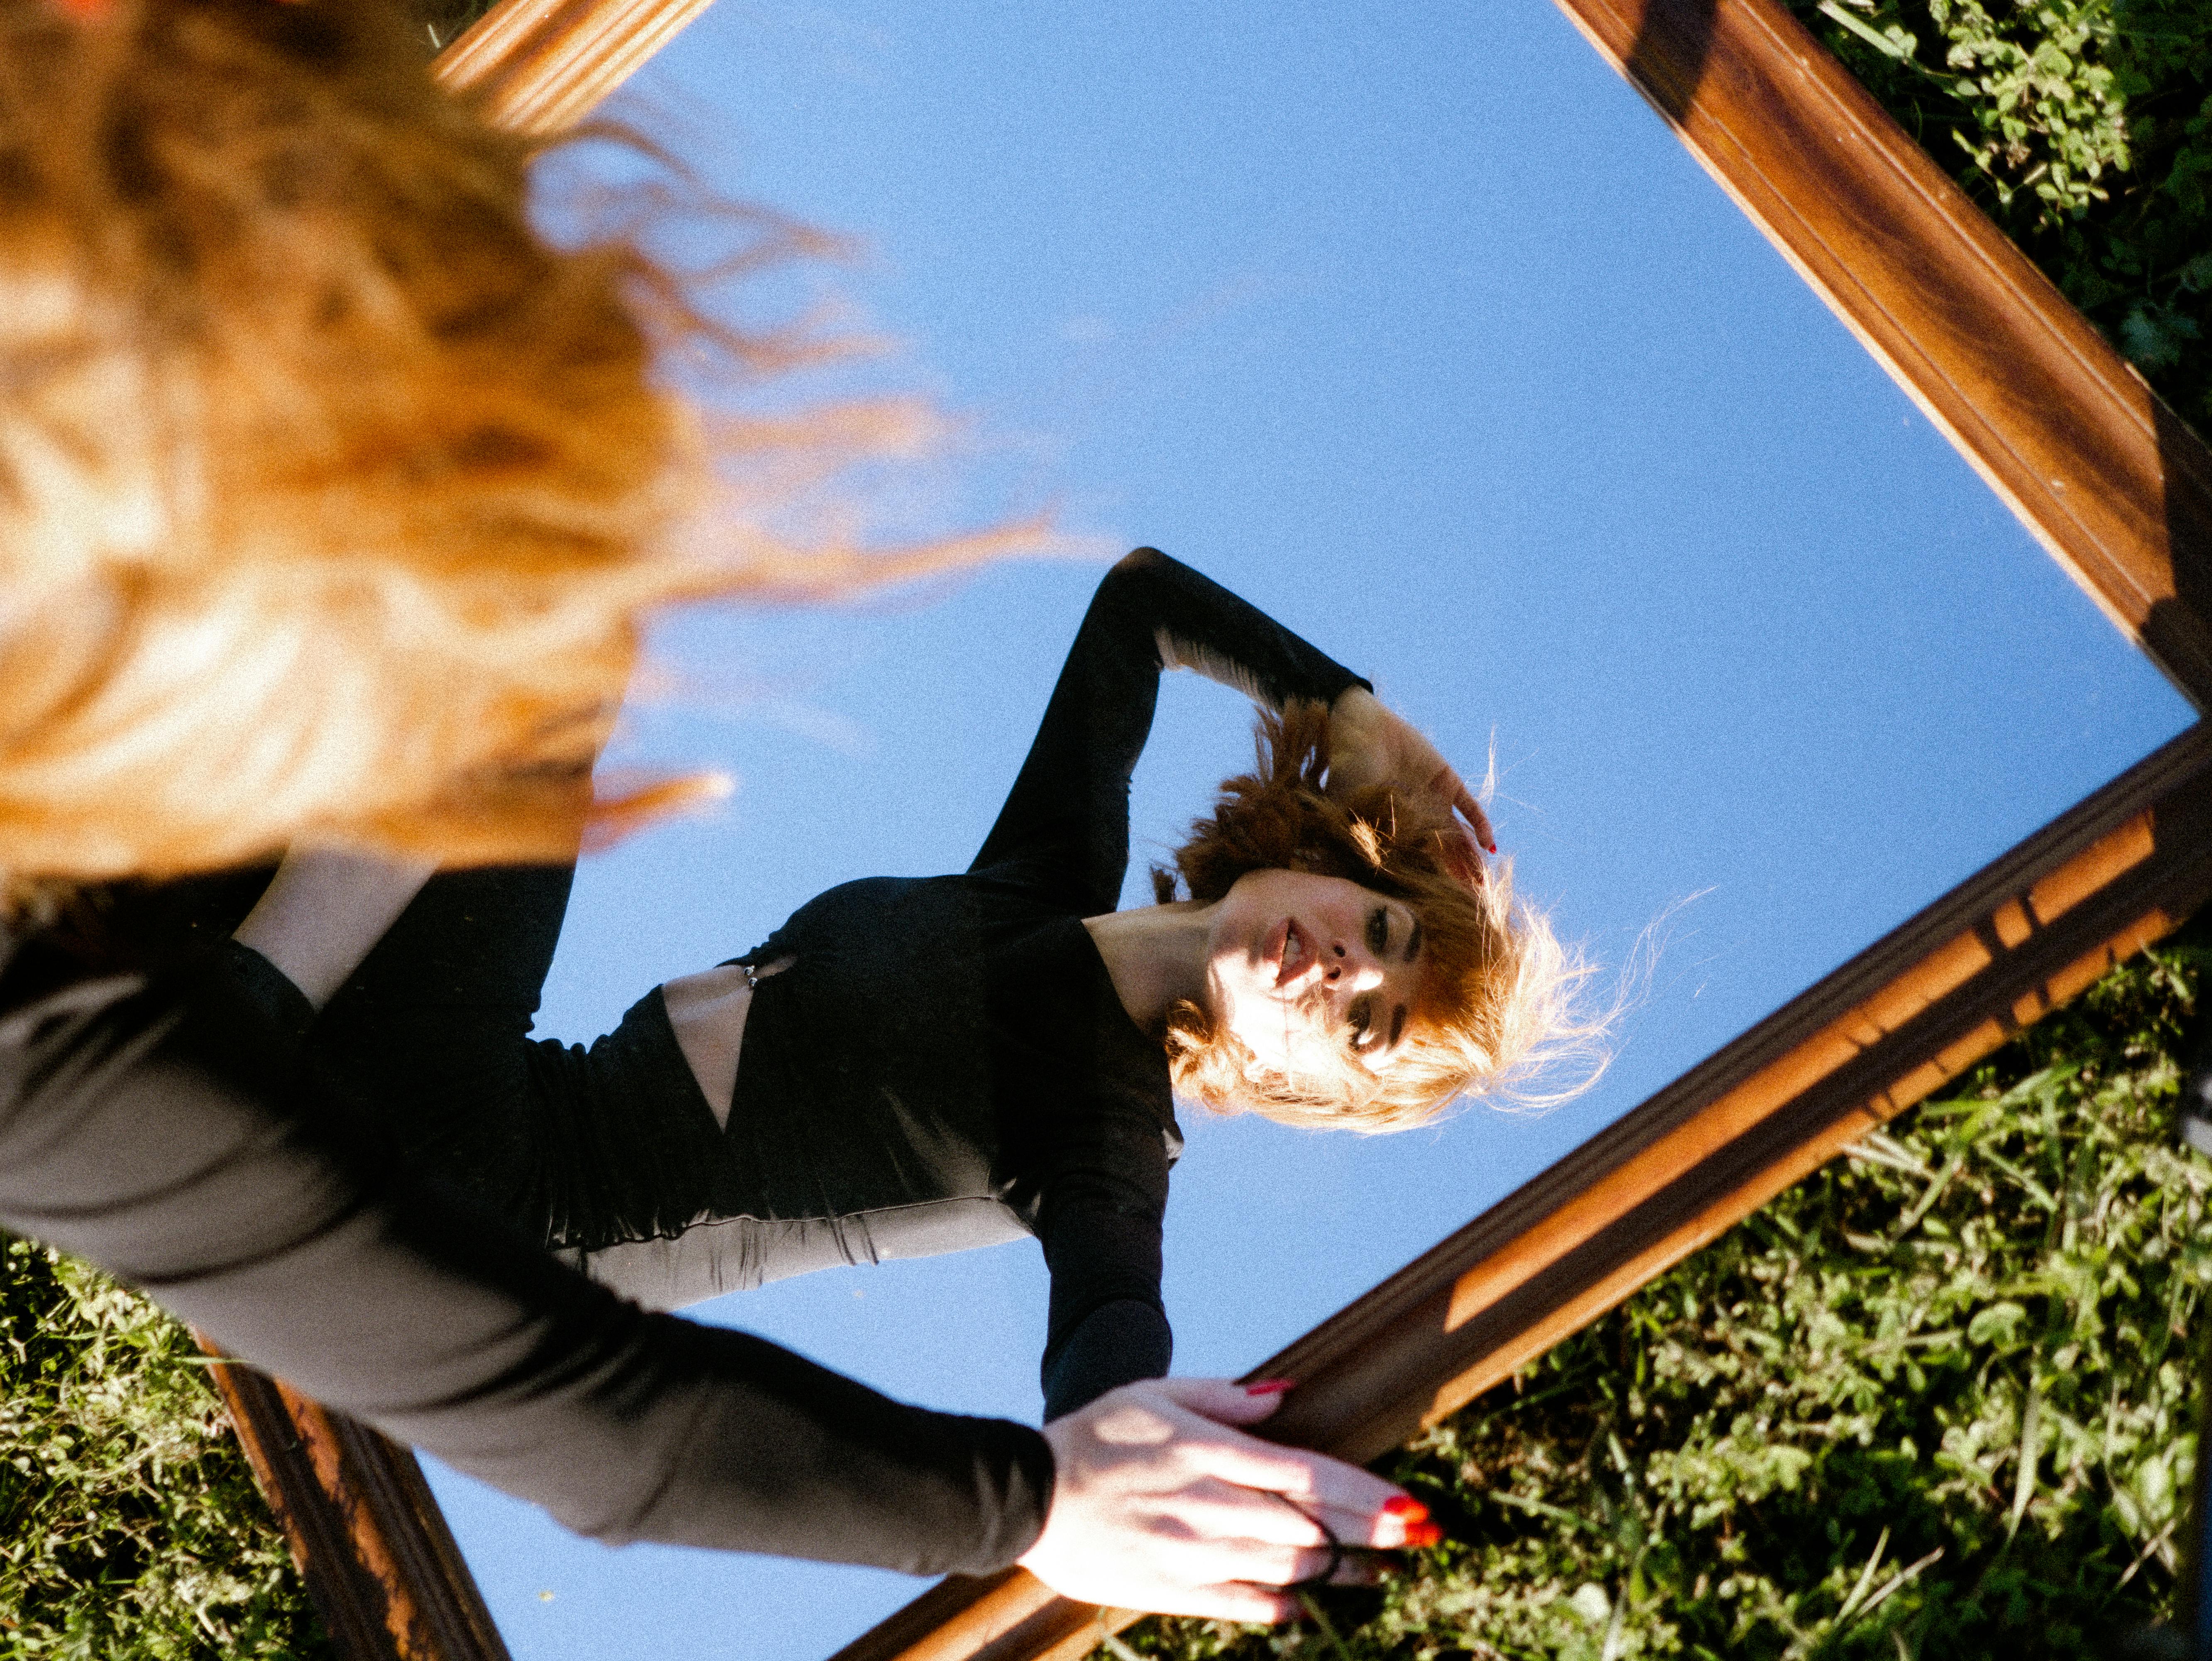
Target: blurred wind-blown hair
{"x":331,"y":493}
{"x":1497,"y":1012}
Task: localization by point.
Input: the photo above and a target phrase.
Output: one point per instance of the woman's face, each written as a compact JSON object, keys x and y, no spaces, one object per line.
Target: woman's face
{"x":1305,"y":970}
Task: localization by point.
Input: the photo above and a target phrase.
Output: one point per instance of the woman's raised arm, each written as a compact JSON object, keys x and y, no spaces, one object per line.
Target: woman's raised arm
{"x":1068,"y":811}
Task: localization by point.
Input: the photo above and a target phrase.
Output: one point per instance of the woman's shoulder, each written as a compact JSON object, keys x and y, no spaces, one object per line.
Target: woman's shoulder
{"x":855,"y":912}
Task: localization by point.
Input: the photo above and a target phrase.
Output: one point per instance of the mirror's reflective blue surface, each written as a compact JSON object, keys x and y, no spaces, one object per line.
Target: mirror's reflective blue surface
{"x":1421,"y":332}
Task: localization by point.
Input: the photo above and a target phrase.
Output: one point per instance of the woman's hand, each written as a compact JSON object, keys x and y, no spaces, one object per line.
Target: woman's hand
{"x":1370,"y":744}
{"x":1159,"y":1503}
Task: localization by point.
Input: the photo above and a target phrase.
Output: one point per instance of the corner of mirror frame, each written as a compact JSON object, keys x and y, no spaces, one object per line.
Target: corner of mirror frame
{"x":382,"y":1567}
{"x":2070,"y":437}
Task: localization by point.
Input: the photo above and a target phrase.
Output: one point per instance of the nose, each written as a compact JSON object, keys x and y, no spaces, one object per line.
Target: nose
{"x":1352,"y":970}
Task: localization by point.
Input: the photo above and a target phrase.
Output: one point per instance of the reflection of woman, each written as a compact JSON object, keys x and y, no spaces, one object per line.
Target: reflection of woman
{"x":328,"y":499}
{"x":917,"y":1066}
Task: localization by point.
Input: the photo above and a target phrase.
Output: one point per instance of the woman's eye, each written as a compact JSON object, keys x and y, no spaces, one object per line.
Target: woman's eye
{"x":1378,"y":931}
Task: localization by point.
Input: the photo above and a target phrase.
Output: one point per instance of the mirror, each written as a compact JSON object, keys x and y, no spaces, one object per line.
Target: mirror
{"x":1434,"y":343}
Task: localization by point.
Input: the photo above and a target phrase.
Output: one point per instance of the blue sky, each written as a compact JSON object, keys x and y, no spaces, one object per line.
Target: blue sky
{"x":1418,"y":330}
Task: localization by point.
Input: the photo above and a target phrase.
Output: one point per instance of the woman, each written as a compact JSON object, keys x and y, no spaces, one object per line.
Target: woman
{"x":330,"y":498}
{"x":910,"y":1067}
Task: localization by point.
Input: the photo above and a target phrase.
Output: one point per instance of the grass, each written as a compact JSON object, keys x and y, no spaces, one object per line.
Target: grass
{"x":1937,"y":1400}
{"x":130,"y":1526}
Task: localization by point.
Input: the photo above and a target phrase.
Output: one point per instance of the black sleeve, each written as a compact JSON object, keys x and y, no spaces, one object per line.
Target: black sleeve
{"x":137,"y":1132}
{"x":1116,"y":1343}
{"x":1104,"y":1200}
{"x":1103,"y":1173}
{"x":1106,"y":1325}
{"x":1067,"y":816}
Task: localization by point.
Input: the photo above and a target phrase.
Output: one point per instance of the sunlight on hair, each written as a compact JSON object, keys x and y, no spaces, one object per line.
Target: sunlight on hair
{"x":334,"y":495}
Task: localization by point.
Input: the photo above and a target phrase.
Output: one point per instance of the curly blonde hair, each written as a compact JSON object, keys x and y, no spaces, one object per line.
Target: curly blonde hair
{"x":1496,"y":1005}
{"x":331,"y":492}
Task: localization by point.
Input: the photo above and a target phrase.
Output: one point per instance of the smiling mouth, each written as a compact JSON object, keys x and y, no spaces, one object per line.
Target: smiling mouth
{"x":1293,"y":955}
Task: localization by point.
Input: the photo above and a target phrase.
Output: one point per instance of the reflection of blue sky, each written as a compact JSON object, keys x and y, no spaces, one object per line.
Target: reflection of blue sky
{"x":1424,"y":335}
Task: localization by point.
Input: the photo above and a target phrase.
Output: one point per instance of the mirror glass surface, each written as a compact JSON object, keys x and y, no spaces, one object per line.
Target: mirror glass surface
{"x":1422,"y":332}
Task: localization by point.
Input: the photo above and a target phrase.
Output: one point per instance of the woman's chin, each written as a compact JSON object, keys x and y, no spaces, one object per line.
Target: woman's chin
{"x":1257,"y":1025}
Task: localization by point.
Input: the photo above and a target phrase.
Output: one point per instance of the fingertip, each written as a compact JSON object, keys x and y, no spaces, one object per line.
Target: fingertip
{"x":1221,"y":1399}
{"x":1258,"y":1407}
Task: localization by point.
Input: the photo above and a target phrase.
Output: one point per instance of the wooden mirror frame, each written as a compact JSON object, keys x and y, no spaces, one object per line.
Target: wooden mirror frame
{"x":2109,"y":480}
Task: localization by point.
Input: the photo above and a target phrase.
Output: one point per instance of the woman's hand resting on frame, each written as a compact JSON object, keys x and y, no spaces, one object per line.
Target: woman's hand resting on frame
{"x":1159,"y":1503}
{"x":1371,"y":743}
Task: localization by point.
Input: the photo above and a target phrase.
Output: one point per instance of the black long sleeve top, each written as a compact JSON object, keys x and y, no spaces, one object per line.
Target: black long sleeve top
{"x":945,"y":1062}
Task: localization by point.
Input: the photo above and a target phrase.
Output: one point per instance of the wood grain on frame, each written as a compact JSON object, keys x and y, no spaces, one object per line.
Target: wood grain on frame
{"x":379,"y":1562}
{"x":540,"y":65}
{"x":2093,"y":463}
{"x":1910,"y":1011}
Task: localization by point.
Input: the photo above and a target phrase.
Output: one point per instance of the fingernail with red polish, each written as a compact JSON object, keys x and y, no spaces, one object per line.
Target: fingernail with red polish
{"x":1270,"y":1386}
{"x":1419,"y":1536}
{"x":1404,"y":1508}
